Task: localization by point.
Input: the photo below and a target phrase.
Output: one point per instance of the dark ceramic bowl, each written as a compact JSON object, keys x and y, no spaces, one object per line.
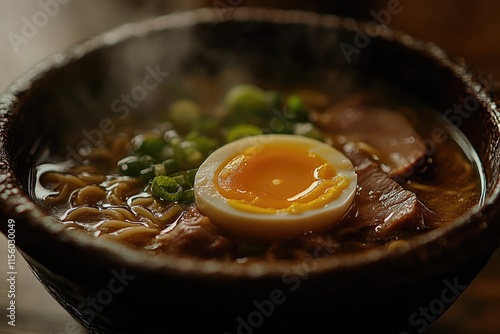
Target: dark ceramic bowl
{"x":111,"y":288}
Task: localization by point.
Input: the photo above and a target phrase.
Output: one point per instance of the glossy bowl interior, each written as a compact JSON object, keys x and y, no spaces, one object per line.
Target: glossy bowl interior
{"x":133,"y":292}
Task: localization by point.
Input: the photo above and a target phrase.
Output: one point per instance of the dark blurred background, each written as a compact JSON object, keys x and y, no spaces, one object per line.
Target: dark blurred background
{"x":465,"y":27}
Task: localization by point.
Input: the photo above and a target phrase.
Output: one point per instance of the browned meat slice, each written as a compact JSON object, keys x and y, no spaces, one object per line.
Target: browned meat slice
{"x":195,"y":235}
{"x":387,"y":134}
{"x":381,"y":203}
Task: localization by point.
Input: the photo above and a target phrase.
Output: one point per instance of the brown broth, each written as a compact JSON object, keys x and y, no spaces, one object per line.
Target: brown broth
{"x":93,"y":197}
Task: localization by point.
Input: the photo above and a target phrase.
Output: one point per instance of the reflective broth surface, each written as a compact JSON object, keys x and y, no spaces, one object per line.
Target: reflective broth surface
{"x":416,"y":172}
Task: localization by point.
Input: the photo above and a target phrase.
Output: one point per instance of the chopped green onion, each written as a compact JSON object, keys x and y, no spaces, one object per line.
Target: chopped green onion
{"x":151,"y":146}
{"x":208,"y":126}
{"x":159,"y":169}
{"x":246,"y":101}
{"x":185,"y":178}
{"x":297,"y":109}
{"x":166,"y":188}
{"x":133,"y":165}
{"x":166,"y":152}
{"x":204,"y":144}
{"x":187,"y":155}
{"x":190,"y":175}
{"x":178,"y":154}
{"x":170,"y":166}
{"x":183,"y":113}
{"x":242,"y":130}
{"x":147,"y":173}
{"x":171,"y":136}
{"x":187,"y":196}
{"x":181,"y":180}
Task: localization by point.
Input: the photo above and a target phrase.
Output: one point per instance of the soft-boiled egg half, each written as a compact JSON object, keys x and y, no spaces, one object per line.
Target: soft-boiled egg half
{"x":275,"y":185}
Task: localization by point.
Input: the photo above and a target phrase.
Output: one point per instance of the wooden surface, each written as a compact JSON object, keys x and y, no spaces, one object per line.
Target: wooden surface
{"x":468,"y":28}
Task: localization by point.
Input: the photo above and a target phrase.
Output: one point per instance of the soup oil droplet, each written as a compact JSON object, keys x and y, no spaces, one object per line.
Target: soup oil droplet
{"x":276,"y":182}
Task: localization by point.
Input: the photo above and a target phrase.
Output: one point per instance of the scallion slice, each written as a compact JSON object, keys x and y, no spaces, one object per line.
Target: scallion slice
{"x":187,"y":196}
{"x":166,"y":188}
{"x":190,"y":174}
{"x":133,"y":165}
{"x":242,"y":130}
{"x":170,"y":166}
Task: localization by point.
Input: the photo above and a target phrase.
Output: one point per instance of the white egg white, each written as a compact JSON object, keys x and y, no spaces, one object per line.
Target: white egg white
{"x":280,"y":224}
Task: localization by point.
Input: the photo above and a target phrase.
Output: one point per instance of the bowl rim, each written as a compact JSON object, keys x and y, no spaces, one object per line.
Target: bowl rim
{"x":16,"y":203}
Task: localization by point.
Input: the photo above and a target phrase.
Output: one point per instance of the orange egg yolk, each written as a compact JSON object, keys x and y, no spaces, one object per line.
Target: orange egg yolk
{"x":278,"y":178}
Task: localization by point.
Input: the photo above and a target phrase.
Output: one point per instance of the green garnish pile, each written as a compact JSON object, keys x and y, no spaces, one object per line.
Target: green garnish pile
{"x":168,"y":161}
